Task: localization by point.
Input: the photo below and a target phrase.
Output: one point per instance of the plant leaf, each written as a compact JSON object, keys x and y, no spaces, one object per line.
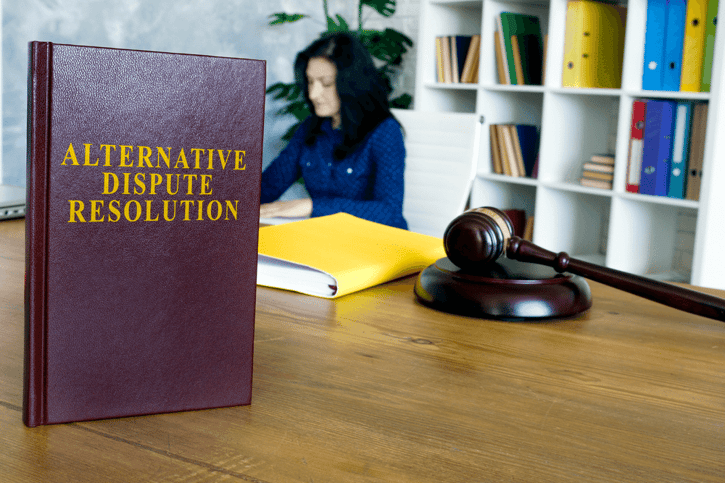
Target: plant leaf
{"x":388,"y":45}
{"x":386,"y":8}
{"x":340,"y":26}
{"x":280,"y":18}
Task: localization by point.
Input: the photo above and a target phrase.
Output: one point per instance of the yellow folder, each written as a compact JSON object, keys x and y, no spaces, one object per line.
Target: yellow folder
{"x":593,"y":45}
{"x":335,"y":255}
{"x":693,"y":48}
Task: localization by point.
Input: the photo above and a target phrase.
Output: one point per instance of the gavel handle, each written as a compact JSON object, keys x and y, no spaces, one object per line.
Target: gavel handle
{"x":664,"y":293}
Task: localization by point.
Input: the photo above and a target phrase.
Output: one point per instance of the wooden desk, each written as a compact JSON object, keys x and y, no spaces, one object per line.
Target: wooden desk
{"x":374,"y":387}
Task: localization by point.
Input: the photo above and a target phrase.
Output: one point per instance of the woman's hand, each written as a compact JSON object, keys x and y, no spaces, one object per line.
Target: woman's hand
{"x":287,"y":209}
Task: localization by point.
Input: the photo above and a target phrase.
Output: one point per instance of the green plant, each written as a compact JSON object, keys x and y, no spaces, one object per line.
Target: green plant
{"x":387,"y":47}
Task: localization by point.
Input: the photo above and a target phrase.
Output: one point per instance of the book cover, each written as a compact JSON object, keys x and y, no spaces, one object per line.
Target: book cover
{"x":693,"y":48}
{"x":141,"y":232}
{"x":680,"y":151}
{"x":654,"y":46}
{"x":636,"y":139}
{"x":459,"y":51}
{"x":710,"y":30}
{"x":522,"y":39}
{"x":470,"y":66}
{"x":508,"y":66}
{"x":657,"y":147}
{"x":674,"y":38}
{"x":335,"y":255}
{"x":497,"y":164}
{"x":594,"y":45}
{"x":697,"y":150}
{"x":528,"y":137}
{"x":501,"y":68}
{"x":440,"y":77}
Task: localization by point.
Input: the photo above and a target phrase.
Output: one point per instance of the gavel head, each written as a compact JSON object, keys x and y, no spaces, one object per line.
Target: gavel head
{"x":477,"y":237}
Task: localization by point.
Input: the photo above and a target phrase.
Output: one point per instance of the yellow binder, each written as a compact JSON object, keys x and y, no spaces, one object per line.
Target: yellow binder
{"x":593,"y":45}
{"x":693,"y":48}
{"x":335,"y":255}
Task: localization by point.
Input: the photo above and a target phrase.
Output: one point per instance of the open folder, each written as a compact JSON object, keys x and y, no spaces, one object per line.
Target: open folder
{"x":335,"y":255}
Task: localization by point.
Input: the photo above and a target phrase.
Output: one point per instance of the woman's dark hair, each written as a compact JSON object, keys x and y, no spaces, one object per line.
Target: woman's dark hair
{"x":362,"y":93}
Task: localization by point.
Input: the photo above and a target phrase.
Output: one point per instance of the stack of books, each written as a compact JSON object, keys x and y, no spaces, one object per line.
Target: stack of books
{"x":679,"y":45}
{"x":457,"y":58}
{"x":598,"y":172}
{"x":519,"y":49}
{"x":666,"y":148}
{"x":514,"y":149}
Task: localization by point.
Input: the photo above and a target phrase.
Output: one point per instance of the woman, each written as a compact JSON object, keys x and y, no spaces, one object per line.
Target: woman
{"x":350,"y":151}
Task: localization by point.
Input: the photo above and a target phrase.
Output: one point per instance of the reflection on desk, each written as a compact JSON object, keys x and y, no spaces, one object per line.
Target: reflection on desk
{"x":375,"y":387}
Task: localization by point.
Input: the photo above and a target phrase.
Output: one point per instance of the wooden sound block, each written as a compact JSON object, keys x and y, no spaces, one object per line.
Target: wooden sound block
{"x":507,"y":290}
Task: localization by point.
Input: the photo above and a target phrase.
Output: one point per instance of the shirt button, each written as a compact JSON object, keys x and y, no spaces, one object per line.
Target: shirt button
{"x":349,"y":170}
{"x":308,"y":164}
{"x":329,"y":164}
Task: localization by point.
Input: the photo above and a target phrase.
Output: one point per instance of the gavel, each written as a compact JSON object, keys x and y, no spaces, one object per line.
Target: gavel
{"x":480,"y":236}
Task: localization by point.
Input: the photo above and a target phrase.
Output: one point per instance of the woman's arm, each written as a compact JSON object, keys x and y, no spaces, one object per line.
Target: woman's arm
{"x":283,"y":171}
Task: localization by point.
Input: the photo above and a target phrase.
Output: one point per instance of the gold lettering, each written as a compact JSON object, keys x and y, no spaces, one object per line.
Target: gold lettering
{"x":190,"y":178}
{"x":127,"y":210}
{"x":239,"y":164}
{"x":224,"y":160}
{"x":113,"y":207}
{"x":166,"y":155}
{"x":218,"y":207}
{"x":126,"y":152}
{"x":168,"y":183}
{"x":70,"y":154}
{"x":148,"y":212}
{"x":76,"y":209}
{"x":108,"y":147}
{"x":200,"y":216}
{"x":205,"y":184}
{"x":231,"y":207}
{"x":186,"y":204}
{"x":156,"y":180}
{"x":126,"y":179}
{"x":88,"y":156}
{"x":139,"y":179}
{"x":144,"y":155}
{"x":166,"y":210}
{"x":106,"y":188}
{"x":197,"y":152}
{"x":96,"y":211}
{"x":181,"y":159}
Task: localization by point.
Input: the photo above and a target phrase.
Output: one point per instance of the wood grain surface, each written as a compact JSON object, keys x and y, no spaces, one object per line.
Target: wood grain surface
{"x":375,"y":387}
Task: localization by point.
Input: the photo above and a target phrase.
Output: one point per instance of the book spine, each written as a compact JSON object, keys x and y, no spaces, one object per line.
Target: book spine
{"x":678,"y":169}
{"x":693,"y":48}
{"x":654,"y":46}
{"x":675,"y":34}
{"x":38,"y":165}
{"x":634,"y":161}
{"x":710,"y":30}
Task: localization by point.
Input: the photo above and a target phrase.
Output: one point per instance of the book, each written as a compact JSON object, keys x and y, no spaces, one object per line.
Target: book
{"x":593,"y":44}
{"x":501,"y":48}
{"x":654,"y":45}
{"x":657,"y":147}
{"x":697,"y":150}
{"x":598,"y":172}
{"x":522,"y":46}
{"x":470,"y":66}
{"x":500,"y":61}
{"x":693,"y":49}
{"x":496,"y":157}
{"x":596,"y":183}
{"x":636,"y":140}
{"x":440,"y":77}
{"x":460,"y":45}
{"x":335,"y":255}
{"x":527,"y":137}
{"x":680,"y":151}
{"x":674,"y":38}
{"x":591,"y":167}
{"x":710,"y":30}
{"x":141,"y":231}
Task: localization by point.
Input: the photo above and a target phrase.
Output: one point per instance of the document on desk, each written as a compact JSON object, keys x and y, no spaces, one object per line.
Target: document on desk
{"x":339,"y":254}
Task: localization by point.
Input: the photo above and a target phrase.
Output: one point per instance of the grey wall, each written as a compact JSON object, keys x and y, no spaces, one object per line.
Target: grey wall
{"x":236,"y":28}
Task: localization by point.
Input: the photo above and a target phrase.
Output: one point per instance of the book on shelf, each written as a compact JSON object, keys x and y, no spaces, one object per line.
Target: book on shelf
{"x":514,"y":149}
{"x":636,"y":140}
{"x":693,"y":50}
{"x":141,"y":231}
{"x":679,"y":45}
{"x":680,"y":151}
{"x":710,"y":31}
{"x":335,"y":255}
{"x":598,"y":172}
{"x":457,"y":58}
{"x":519,"y":47}
{"x":657,"y":147}
{"x":697,"y":150}
{"x":593,"y":44}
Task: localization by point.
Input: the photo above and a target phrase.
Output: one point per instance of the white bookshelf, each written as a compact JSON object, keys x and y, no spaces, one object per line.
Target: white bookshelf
{"x":653,"y":236}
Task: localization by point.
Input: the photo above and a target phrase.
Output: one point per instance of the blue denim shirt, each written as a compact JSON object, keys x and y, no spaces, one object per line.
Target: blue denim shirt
{"x":368,"y":183}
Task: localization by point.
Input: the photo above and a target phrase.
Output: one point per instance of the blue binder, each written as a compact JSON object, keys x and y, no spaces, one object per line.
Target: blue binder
{"x":675,"y":35}
{"x":654,"y":45}
{"x":657,"y":147}
{"x":680,"y":151}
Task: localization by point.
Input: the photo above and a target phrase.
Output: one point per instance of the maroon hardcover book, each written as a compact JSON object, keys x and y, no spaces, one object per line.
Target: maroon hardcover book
{"x":141,"y":227}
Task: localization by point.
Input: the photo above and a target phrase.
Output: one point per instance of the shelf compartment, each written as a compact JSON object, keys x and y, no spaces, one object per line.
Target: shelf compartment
{"x":497,"y":192}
